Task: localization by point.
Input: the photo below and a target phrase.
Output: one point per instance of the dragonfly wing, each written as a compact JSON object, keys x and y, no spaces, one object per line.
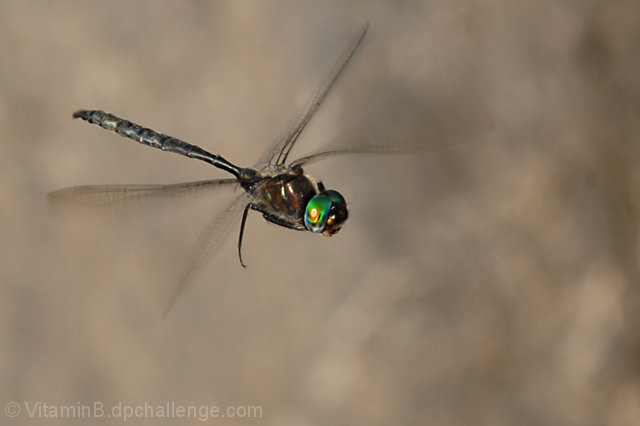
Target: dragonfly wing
{"x":113,"y":196}
{"x":209,"y":240}
{"x":118,"y":199}
{"x":278,"y":154}
{"x":411,"y":125}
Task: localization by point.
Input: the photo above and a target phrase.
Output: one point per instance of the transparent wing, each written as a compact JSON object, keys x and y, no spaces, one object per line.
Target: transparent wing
{"x":278,"y":154}
{"x":129,"y":204}
{"x":400,"y":122}
{"x":209,"y":240}
{"x":368,"y":145}
{"x":100,"y":196}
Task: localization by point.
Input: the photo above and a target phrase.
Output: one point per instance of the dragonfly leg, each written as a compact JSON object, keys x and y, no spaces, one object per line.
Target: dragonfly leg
{"x":242,"y":224}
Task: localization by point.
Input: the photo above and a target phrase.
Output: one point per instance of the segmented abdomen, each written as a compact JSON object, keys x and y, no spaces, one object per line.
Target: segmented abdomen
{"x":141,"y":134}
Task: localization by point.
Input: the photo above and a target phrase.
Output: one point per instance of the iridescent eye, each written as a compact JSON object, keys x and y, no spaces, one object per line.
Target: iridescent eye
{"x":326,"y":212}
{"x":335,"y":197}
{"x":337,"y":213}
{"x":316,"y":213}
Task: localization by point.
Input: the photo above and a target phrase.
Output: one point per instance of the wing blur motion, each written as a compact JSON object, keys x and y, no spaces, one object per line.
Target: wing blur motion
{"x":279,"y":153}
{"x":216,"y":232}
{"x":114,"y":195}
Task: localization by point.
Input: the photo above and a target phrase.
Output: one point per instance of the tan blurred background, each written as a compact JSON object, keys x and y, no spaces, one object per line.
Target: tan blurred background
{"x":490,"y":282}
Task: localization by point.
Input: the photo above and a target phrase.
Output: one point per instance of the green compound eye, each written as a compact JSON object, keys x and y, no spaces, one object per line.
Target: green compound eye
{"x":326,"y":213}
{"x":335,"y":197}
{"x":316,"y":214}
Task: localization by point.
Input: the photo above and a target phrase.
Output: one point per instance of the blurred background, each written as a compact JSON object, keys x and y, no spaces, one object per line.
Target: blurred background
{"x":490,"y":279}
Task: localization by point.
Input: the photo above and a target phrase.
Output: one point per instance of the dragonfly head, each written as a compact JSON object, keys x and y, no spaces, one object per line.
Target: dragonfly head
{"x":326,"y":213}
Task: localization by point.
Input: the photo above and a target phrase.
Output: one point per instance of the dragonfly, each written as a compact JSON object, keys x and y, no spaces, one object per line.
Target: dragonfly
{"x":279,"y":190}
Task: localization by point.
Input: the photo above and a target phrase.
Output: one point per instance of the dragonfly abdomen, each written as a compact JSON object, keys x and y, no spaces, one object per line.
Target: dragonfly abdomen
{"x":153,"y":139}
{"x":136,"y":132}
